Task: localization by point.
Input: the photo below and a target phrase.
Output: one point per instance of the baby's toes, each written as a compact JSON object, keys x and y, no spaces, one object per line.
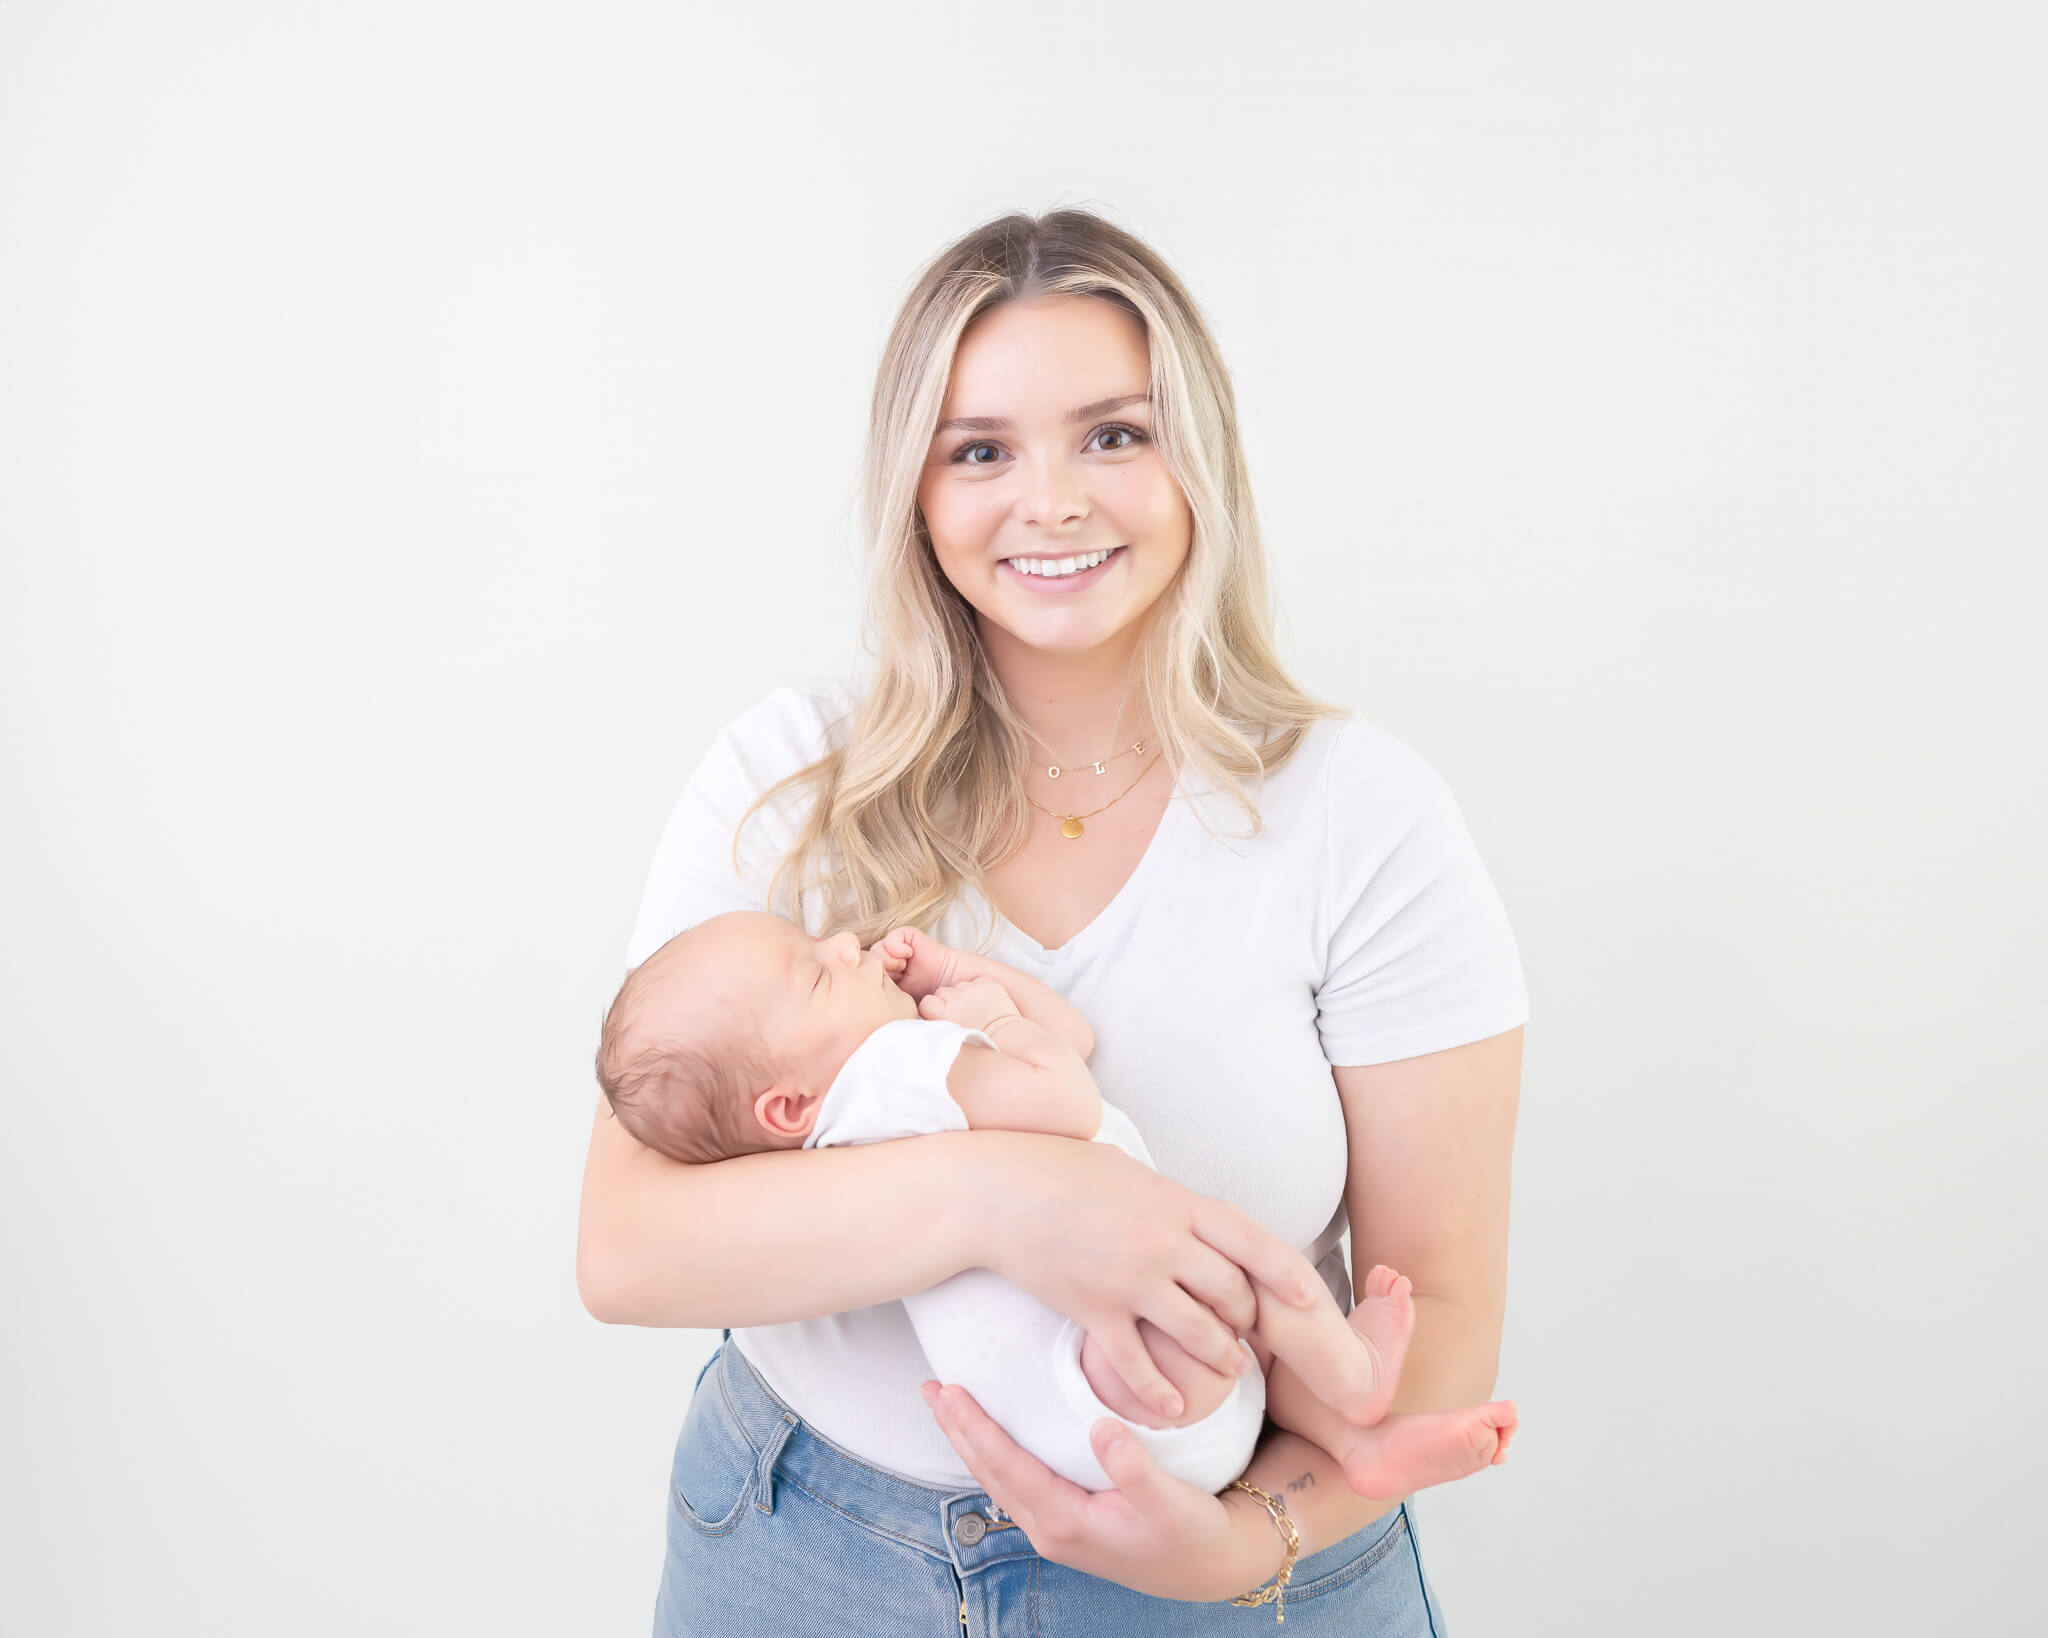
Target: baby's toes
{"x":1508,"y":1426}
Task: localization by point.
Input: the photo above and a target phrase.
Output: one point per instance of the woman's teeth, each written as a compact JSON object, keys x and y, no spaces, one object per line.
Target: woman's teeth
{"x":1056,"y":568}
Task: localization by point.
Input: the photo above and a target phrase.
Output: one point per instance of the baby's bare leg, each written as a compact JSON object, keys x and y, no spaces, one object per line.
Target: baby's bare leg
{"x":1201,"y":1388}
{"x":1399,"y":1454}
{"x":1353,"y":1364}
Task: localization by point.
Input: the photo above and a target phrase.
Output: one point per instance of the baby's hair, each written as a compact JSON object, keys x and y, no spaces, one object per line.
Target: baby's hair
{"x":683,"y":1097}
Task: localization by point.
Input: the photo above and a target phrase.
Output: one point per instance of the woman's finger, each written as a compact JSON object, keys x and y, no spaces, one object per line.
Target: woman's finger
{"x":1016,"y":1481}
{"x":1138,"y":1478}
{"x":967,"y":1442}
{"x":1217,"y":1283}
{"x":1133,"y":1362}
{"x":1258,"y":1251}
{"x":1196,"y":1328}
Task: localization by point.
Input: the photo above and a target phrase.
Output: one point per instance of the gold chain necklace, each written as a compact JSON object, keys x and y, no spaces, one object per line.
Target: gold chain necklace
{"x":1052,"y":770}
{"x":1071,"y":826}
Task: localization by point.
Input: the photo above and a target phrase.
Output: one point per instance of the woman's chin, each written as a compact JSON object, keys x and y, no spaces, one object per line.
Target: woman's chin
{"x":1065,"y":631}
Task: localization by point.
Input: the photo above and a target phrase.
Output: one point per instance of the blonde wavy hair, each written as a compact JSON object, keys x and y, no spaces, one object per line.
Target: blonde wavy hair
{"x":927,"y":789}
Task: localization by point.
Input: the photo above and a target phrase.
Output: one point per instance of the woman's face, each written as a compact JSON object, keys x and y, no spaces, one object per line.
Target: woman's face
{"x":1055,"y":461}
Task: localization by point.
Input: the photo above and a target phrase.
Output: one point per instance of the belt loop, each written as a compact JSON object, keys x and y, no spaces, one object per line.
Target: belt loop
{"x":764,"y":1470}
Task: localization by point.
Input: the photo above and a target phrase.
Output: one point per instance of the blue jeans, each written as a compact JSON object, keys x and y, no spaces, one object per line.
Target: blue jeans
{"x":775,"y":1532}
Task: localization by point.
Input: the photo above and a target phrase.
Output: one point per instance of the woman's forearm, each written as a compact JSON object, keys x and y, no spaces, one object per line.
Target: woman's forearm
{"x":1453,"y":1358}
{"x":1310,"y":1481}
{"x":765,"y":1238}
{"x":1451,"y":1361}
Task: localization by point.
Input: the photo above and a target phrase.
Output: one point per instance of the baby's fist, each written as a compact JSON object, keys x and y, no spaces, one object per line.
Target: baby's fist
{"x":917,"y":962}
{"x":894,"y":947}
{"x":978,"y":1003}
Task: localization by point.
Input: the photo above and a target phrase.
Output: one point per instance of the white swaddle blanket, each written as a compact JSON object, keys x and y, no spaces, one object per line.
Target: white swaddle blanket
{"x":1020,"y":1359}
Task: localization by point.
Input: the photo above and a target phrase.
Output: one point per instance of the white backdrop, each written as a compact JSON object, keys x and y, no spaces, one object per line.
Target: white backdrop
{"x":421,"y":425}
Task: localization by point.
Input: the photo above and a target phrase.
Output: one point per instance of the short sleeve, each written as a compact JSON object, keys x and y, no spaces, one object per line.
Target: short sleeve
{"x":1420,"y":956}
{"x":692,"y":876}
{"x":893,"y":1085}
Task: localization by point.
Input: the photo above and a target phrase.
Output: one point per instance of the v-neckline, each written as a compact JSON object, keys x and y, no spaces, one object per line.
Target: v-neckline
{"x":1118,"y":901}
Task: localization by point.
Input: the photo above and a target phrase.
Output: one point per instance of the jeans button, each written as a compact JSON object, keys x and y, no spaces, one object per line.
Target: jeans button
{"x":969,"y":1528}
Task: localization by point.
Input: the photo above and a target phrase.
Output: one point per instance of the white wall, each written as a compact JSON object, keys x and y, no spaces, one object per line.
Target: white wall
{"x":421,"y":425}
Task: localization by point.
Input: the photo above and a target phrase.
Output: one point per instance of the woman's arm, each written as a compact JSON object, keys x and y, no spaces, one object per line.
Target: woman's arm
{"x":764,"y":1238}
{"x":1430,"y":1141}
{"x":799,"y":1233}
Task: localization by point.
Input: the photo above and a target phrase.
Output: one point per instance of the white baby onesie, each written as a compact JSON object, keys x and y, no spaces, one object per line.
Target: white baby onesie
{"x":1020,"y":1359}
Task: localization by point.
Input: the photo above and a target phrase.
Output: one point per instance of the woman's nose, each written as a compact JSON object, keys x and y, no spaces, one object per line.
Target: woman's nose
{"x":1053,"y":493}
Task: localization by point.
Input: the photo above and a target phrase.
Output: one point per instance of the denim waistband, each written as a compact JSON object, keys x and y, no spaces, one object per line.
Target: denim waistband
{"x":788,"y":1451}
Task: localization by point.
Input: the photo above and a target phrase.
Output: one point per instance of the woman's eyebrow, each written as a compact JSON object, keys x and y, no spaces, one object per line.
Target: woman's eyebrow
{"x":1002,"y":423}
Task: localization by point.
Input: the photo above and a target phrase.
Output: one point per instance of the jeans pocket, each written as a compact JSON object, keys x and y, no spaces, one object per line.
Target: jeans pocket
{"x":1367,"y":1550}
{"x":714,"y":1462}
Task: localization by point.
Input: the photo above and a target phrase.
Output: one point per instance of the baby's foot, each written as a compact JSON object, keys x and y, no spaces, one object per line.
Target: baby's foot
{"x":1384,"y":1319}
{"x":1404,"y":1453}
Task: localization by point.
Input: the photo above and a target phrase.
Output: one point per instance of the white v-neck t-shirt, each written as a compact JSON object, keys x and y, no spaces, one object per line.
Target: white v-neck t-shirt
{"x":1224,"y":980}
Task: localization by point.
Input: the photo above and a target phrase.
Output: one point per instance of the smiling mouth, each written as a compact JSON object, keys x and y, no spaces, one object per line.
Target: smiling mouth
{"x":1070,"y":567}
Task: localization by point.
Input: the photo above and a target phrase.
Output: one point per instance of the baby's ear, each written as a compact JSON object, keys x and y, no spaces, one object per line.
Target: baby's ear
{"x":786,"y":1114}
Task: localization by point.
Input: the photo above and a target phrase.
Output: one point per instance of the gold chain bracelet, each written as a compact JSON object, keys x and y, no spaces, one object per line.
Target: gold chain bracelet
{"x":1283,"y":1521}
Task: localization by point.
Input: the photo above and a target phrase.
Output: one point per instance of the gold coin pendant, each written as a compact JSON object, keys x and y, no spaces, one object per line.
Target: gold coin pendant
{"x":1071,"y":829}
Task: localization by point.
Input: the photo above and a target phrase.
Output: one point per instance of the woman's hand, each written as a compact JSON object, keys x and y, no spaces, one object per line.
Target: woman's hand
{"x":1153,"y":1533}
{"x":1107,"y":1241}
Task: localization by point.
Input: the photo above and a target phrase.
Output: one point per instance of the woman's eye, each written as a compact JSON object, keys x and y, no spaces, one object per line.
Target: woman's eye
{"x":964,"y":455}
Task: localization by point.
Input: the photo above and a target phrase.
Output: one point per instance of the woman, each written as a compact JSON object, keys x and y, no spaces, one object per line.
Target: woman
{"x":1303,"y":988}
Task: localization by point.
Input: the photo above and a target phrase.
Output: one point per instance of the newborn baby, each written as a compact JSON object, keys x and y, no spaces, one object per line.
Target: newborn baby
{"x":744,"y":1034}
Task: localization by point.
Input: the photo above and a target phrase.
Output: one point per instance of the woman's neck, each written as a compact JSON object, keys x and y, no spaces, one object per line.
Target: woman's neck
{"x":1071,"y":699}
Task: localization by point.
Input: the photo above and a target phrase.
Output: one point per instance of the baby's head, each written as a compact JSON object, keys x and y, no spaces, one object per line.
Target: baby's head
{"x":724,"y":1041}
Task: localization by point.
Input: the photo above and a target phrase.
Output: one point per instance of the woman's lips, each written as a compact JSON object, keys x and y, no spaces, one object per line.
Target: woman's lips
{"x":1052,"y":585}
